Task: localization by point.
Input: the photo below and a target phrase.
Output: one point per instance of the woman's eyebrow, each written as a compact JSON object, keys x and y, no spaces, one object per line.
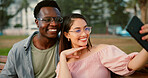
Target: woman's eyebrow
{"x":77,"y":28}
{"x":80,"y":27}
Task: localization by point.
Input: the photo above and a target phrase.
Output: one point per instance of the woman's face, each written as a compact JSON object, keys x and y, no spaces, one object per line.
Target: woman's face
{"x":78,"y":33}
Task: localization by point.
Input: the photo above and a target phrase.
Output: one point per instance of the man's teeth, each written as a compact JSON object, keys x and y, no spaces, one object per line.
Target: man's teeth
{"x":52,"y":29}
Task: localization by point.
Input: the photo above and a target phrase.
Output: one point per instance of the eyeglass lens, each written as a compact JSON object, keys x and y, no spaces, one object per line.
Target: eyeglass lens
{"x":86,"y":30}
{"x":51,"y":19}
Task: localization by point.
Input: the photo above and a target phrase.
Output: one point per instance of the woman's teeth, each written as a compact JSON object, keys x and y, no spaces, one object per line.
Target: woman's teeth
{"x":83,"y":39}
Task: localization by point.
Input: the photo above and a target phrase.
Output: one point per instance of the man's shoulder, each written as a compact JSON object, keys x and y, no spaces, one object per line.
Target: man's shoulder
{"x":25,"y":41}
{"x":21,"y":43}
{"x":20,"y":46}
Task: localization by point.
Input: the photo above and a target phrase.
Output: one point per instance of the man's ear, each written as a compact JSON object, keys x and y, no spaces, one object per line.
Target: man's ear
{"x":66,"y":35}
{"x":37,"y":22}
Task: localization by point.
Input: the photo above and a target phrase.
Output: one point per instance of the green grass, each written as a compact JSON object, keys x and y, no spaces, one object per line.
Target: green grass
{"x":6,"y":42}
{"x":13,"y":37}
{"x":4,"y":51}
{"x":126,"y":44}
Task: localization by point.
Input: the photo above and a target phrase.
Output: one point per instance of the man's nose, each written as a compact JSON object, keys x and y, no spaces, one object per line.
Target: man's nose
{"x":53,"y":23}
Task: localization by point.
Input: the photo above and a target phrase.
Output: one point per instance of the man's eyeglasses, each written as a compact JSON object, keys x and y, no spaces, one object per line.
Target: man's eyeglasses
{"x":51,"y":19}
{"x":86,"y":30}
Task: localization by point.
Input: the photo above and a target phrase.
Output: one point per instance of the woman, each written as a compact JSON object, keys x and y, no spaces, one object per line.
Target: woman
{"x":79,"y":59}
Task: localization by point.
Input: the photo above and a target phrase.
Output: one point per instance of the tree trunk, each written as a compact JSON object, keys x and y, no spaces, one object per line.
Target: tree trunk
{"x":146,"y":13}
{"x":143,"y":7}
{"x":26,"y":11}
{"x":135,"y":10}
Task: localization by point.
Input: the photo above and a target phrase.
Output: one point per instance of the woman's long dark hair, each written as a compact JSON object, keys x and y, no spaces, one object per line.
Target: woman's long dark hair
{"x":65,"y":27}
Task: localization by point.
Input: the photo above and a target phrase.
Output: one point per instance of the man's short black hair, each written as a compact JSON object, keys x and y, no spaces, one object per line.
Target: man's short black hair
{"x":45,"y":3}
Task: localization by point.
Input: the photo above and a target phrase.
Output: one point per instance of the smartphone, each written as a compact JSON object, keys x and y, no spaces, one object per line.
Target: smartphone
{"x":133,"y":27}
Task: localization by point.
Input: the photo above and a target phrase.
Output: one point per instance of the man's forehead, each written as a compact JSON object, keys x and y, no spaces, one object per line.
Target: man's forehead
{"x":49,"y":11}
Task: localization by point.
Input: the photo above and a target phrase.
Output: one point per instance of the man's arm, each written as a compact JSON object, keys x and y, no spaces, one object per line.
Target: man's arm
{"x":9,"y":69}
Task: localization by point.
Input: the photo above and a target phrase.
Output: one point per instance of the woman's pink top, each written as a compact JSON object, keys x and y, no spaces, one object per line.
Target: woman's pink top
{"x":99,"y":64}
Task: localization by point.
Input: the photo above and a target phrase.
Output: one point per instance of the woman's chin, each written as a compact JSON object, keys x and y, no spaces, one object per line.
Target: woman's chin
{"x":83,"y":46}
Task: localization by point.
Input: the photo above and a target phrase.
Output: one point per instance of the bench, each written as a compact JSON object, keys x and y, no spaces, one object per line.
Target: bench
{"x":3,"y":60}
{"x":138,"y":74}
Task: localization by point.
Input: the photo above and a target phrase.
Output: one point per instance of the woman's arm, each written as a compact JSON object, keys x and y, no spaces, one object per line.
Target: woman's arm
{"x":64,"y":70}
{"x":139,"y":61}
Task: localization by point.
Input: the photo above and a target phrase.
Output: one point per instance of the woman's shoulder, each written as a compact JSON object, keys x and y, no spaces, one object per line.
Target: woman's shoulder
{"x":101,"y":47}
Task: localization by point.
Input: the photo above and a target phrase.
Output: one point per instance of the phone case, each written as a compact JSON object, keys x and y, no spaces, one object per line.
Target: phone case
{"x":133,"y":28}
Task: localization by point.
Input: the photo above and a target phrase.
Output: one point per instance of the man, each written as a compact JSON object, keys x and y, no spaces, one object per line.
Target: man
{"x":37,"y":56}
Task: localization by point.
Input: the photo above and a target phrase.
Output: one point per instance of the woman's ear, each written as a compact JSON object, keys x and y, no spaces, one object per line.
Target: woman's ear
{"x":66,"y":35}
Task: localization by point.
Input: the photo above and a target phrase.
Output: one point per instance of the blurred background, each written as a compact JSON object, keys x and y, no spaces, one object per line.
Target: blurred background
{"x":108,"y":19}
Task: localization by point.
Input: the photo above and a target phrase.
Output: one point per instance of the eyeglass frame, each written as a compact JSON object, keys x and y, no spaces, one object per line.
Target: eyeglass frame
{"x":51,"y":20}
{"x":83,"y":30}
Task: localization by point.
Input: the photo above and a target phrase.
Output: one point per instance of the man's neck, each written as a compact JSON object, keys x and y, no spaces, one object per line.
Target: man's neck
{"x":43,"y":42}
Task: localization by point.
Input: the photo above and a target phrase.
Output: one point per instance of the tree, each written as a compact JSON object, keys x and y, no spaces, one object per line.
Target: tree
{"x":144,"y":10}
{"x":67,"y":6}
{"x":4,"y":17}
{"x":91,"y":9}
{"x":143,"y":5}
{"x":117,"y":12}
{"x":132,"y":4}
{"x":25,"y":5}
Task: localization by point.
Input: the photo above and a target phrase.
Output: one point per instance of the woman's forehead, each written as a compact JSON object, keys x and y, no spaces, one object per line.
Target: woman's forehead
{"x":78,"y":22}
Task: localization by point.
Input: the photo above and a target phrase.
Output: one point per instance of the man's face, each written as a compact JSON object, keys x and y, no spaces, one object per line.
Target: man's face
{"x":48,"y":26}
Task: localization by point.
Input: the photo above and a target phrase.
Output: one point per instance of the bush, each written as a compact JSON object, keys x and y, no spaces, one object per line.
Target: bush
{"x":18,"y":26}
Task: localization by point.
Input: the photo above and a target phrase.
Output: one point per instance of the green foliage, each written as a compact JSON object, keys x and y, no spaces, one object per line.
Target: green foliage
{"x":91,"y":9}
{"x":4,"y":17}
{"x":6,"y":3}
{"x":117,"y":12}
{"x":94,"y":11}
{"x":18,"y":26}
{"x":99,"y":28}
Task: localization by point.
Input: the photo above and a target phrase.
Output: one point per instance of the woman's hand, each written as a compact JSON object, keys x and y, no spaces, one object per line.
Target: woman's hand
{"x":70,"y":52}
{"x":144,"y":29}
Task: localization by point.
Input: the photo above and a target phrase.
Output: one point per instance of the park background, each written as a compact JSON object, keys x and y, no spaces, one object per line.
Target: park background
{"x":105,"y":16}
